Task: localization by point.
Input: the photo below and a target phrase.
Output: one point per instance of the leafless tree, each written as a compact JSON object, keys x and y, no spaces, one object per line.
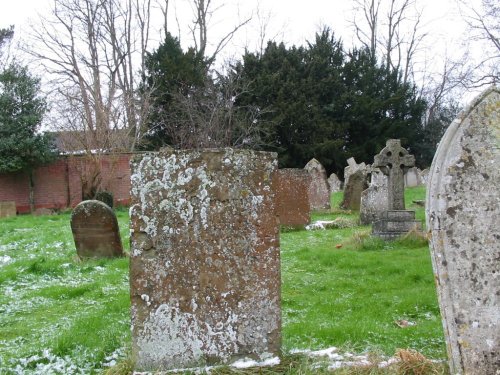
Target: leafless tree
{"x":5,"y":39}
{"x":206,"y":117}
{"x":391,"y":30}
{"x":483,"y":21}
{"x":93,"y":51}
{"x":203,"y":11}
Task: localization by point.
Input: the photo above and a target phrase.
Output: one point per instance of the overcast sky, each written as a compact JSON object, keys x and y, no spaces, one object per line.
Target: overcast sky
{"x":297,"y":20}
{"x":293,"y":21}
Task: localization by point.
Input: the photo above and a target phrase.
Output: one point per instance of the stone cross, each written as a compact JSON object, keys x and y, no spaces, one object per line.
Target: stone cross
{"x":393,"y":161}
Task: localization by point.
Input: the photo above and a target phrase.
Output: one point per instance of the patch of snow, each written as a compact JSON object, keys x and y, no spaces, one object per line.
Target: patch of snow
{"x":247,"y":362}
{"x":5,"y":259}
{"x":338,"y":360}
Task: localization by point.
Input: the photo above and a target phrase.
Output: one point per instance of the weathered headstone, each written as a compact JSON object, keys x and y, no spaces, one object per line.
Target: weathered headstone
{"x":319,"y":191}
{"x":291,"y":186}
{"x":95,"y":230}
{"x":394,"y":161}
{"x":7,"y":209}
{"x":463,"y":217}
{"x":412,"y":177}
{"x":351,"y":168}
{"x":357,"y":182}
{"x":424,"y":176}
{"x":205,"y":258}
{"x":334,"y":183}
{"x":374,"y":200}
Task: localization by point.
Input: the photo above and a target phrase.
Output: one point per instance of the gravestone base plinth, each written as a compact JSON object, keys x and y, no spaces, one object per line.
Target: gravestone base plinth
{"x":395,"y":223}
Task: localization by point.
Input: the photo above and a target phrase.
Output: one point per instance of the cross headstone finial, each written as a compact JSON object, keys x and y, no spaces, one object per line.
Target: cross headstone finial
{"x":393,"y":161}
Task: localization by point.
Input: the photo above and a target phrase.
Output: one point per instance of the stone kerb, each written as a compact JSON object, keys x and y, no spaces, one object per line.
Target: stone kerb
{"x":205,"y":258}
{"x":319,"y":191}
{"x":95,"y":230}
{"x":463,"y":210}
{"x":292,"y":197}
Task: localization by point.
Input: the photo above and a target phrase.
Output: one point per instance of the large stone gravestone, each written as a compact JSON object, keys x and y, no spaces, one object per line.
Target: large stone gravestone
{"x":394,"y":161}
{"x":205,"y":258}
{"x":463,"y":217}
{"x":351,"y":168}
{"x":357,"y":182}
{"x":374,"y":200}
{"x":95,"y":230}
{"x":291,"y":186}
{"x":319,"y":191}
{"x":412,"y":177}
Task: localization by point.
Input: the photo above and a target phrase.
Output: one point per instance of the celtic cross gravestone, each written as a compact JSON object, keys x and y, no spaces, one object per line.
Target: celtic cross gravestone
{"x":393,"y":160}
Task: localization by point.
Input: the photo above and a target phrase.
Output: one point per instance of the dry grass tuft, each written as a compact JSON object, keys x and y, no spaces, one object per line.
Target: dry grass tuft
{"x":414,"y":363}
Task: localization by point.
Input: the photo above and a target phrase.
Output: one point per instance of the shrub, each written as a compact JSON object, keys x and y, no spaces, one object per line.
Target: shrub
{"x":105,"y":197}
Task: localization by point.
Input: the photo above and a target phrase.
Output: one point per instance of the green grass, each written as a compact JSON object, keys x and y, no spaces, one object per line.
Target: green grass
{"x":340,"y":287}
{"x":56,"y":311}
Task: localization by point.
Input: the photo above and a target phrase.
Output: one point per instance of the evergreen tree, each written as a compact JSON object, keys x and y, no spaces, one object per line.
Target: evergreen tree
{"x":22,"y":148}
{"x":376,"y":106}
{"x":170,"y":72}
{"x":329,"y":104}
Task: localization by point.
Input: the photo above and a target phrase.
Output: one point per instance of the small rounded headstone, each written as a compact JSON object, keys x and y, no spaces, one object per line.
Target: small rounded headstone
{"x":95,"y":230}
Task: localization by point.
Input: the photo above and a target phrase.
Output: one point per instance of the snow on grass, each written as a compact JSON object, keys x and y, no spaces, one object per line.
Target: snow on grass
{"x":5,"y":259}
{"x":58,"y":315}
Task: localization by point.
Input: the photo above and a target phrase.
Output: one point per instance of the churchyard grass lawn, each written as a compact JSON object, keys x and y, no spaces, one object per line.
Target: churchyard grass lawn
{"x":57,"y":313}
{"x":340,"y":288}
{"x":343,"y":288}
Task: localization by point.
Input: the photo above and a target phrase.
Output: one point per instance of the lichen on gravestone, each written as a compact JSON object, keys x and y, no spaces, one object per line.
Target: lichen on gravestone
{"x":95,"y":230}
{"x":204,"y":267}
{"x":462,"y":212}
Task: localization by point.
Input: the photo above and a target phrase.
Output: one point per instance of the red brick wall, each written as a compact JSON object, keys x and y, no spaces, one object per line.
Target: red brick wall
{"x":59,"y":185}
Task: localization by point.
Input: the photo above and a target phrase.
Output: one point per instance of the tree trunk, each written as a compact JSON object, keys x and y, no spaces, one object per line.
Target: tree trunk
{"x":32,"y":191}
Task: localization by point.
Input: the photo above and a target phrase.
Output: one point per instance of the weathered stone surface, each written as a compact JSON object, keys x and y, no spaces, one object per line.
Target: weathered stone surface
{"x":374,"y":200}
{"x":394,"y":161}
{"x":424,"y":175}
{"x":356,"y":183}
{"x":319,"y":191}
{"x":351,"y":168}
{"x":395,"y":223}
{"x":7,"y":209}
{"x":412,"y":177}
{"x":95,"y":230}
{"x":291,"y":186}
{"x":334,"y":183}
{"x":463,"y":216}
{"x":205,"y":258}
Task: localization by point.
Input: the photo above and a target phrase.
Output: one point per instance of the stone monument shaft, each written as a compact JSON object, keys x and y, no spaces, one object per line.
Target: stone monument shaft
{"x":393,"y":160}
